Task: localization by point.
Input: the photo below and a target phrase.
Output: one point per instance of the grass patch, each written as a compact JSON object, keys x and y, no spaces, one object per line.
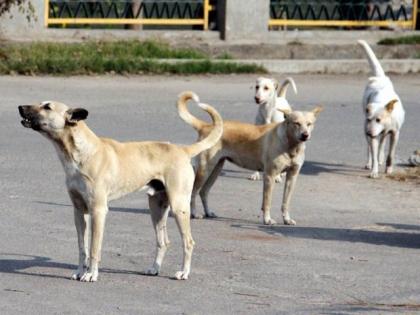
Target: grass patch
{"x":124,"y":57}
{"x":404,"y":40}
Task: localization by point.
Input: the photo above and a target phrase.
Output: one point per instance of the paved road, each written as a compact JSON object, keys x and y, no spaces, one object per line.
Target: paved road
{"x":356,"y":247}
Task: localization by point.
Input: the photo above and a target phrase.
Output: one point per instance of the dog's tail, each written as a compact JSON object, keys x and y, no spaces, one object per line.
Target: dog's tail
{"x":283,"y":88}
{"x":373,"y":61}
{"x":198,"y":124}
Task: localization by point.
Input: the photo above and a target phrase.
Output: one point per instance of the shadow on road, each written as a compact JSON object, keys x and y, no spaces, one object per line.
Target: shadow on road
{"x":114,"y":209}
{"x":308,"y":168}
{"x":315,"y":168}
{"x":21,"y":264}
{"x":386,"y":238}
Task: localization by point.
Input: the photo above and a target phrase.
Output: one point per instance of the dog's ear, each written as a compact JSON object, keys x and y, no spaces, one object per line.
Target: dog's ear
{"x":76,"y":114}
{"x":390,"y":106}
{"x":317,"y":110}
{"x":286,"y":112}
{"x":369,"y":109}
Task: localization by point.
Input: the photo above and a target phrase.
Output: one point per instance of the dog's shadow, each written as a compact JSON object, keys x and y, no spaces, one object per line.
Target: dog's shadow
{"x":22,"y":264}
{"x":356,"y":235}
{"x":113,"y":209}
{"x":310,"y":168}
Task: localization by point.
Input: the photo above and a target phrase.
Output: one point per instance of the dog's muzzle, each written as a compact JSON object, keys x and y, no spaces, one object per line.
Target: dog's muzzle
{"x":28,"y":118}
{"x":304,"y":136}
{"x":372,"y":136}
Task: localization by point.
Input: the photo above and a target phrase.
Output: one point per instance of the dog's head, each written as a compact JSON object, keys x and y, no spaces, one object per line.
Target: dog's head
{"x":377,"y":122}
{"x":300,"y":124}
{"x":265,"y":89}
{"x":51,"y":118}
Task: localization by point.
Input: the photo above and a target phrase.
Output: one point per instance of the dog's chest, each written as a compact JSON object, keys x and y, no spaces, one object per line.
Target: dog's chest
{"x":74,"y":177}
{"x":287,"y":160}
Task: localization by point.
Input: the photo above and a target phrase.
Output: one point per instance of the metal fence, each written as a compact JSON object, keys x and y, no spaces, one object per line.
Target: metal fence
{"x":381,"y":13}
{"x":125,"y":12}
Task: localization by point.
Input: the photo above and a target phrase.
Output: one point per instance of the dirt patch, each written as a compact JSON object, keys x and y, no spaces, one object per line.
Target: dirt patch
{"x":411,"y":174}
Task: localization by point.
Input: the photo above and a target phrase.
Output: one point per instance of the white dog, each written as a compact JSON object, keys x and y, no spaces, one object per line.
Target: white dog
{"x":384,"y":115}
{"x":271,"y":100}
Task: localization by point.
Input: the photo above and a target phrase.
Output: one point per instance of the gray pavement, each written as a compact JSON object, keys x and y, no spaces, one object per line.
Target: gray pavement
{"x":355,"y":250}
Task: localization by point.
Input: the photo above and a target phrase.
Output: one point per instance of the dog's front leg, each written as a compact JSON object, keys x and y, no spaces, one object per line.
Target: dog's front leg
{"x":369,"y":153}
{"x":267,"y":198}
{"x":81,"y":222}
{"x":381,"y":150}
{"x":375,"y":155}
{"x":98,"y":216}
{"x":289,"y":186}
{"x":391,"y":155}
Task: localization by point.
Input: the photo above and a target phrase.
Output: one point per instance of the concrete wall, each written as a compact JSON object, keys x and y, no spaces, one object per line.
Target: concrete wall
{"x":238,"y":19}
{"x":244,"y":19}
{"x":15,"y":24}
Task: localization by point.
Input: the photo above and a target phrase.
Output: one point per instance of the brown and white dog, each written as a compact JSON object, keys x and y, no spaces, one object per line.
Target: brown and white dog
{"x":271,"y":100}
{"x":100,"y":169}
{"x":272,"y":148}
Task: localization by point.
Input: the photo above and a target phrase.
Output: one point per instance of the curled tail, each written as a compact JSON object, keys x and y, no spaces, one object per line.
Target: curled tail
{"x":214,"y":135}
{"x":373,"y":61}
{"x":283,"y":88}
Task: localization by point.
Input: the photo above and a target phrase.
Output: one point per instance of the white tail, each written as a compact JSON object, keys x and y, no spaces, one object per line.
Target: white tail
{"x":283,"y":89}
{"x":373,"y":61}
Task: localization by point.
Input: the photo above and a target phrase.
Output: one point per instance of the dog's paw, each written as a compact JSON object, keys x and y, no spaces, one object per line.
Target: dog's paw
{"x":368,"y":166}
{"x":389,"y":170}
{"x":255,"y":176}
{"x":196,"y":216}
{"x":289,"y":221}
{"x":374,"y":175}
{"x":152,"y":271}
{"x":89,"y":277}
{"x":278,"y":178}
{"x":77,"y":275}
{"x":269,"y":221}
{"x":211,"y":215}
{"x":181,"y":275}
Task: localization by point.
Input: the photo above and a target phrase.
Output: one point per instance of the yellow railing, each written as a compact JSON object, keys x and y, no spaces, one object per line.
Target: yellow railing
{"x":129,"y":21}
{"x":350,"y":23}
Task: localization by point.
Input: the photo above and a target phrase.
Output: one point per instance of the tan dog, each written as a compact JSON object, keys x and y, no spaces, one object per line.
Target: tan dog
{"x":99,"y":170}
{"x":272,"y":148}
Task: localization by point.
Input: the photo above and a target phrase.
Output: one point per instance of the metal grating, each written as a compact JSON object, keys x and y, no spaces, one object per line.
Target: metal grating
{"x":335,"y":13}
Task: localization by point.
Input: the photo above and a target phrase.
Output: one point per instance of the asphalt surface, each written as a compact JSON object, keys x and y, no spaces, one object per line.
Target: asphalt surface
{"x":355,"y":249}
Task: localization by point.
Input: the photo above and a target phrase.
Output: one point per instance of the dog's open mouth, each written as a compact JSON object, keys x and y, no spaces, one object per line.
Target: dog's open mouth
{"x":26,"y":122}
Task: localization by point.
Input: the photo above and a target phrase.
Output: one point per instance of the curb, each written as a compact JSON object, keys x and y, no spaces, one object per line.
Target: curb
{"x":338,"y":66}
{"x":333,"y":66}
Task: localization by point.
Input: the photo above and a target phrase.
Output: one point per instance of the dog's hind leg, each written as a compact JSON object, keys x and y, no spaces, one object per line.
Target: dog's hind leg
{"x":207,"y":186}
{"x":159,"y":209}
{"x":200,"y":176}
{"x":204,"y":169}
{"x":392,"y":148}
{"x":181,"y":211}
